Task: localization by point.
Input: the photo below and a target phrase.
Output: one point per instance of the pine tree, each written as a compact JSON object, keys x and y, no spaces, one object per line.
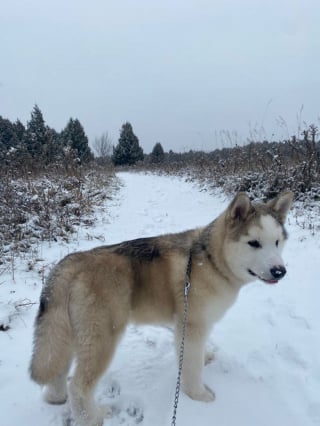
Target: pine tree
{"x":128,"y":150}
{"x":74,"y":137}
{"x":36,"y":136}
{"x":8,"y":136}
{"x":19,"y":130}
{"x":52,"y":150}
{"x":157,"y":154}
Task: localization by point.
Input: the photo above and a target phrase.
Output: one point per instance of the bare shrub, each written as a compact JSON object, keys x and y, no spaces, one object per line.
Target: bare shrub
{"x":262,"y":169}
{"x":48,"y":206}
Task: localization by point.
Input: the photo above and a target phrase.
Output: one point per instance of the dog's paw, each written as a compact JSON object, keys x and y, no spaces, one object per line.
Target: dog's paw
{"x":105,"y":411}
{"x":93,"y":417}
{"x":66,"y":418}
{"x":83,"y":420}
{"x":203,"y":393}
{"x":101,"y":412}
{"x":54,"y":396}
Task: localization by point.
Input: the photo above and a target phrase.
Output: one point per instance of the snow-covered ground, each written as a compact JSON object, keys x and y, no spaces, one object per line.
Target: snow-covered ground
{"x":267,"y":366}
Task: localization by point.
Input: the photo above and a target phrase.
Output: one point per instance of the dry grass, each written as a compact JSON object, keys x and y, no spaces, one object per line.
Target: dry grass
{"x":48,"y":207}
{"x":260,"y":169}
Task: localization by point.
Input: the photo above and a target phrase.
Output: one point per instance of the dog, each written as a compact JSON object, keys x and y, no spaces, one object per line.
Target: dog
{"x":90,"y":297}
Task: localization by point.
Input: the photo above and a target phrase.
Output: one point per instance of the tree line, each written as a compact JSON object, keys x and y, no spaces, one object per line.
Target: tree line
{"x":37,"y":146}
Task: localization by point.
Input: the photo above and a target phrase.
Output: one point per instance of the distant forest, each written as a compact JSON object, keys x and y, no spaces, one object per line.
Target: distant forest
{"x":37,"y":146}
{"x":290,"y":164}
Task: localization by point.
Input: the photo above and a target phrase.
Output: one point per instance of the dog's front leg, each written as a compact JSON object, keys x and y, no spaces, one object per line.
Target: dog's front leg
{"x":194,"y":350}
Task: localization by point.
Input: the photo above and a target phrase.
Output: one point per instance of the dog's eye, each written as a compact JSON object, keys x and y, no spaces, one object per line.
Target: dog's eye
{"x":277,"y":243}
{"x":254,"y":244}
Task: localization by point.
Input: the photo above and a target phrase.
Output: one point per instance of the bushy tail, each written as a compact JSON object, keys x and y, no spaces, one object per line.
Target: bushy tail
{"x":52,"y":346}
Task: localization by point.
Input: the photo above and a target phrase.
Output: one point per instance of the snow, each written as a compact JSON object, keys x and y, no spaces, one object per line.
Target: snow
{"x":267,"y":364}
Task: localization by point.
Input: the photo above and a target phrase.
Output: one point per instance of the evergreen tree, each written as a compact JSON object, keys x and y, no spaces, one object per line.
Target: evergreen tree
{"x":74,"y":137}
{"x":36,"y":135}
{"x":8,"y":136}
{"x":157,"y":154}
{"x":128,"y":150}
{"x":52,"y":150}
{"x":19,"y":130}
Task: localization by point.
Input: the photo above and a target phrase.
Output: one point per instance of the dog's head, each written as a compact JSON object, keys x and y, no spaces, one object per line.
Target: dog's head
{"x":255,"y":236}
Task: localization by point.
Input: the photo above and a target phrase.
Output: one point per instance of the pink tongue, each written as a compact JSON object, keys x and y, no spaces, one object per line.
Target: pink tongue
{"x":272,"y":282}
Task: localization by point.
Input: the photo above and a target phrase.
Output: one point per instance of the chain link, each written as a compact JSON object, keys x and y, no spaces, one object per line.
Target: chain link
{"x":183,"y":336}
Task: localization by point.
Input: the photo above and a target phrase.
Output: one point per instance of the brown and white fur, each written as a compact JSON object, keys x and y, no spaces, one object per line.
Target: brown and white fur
{"x":91,"y":296}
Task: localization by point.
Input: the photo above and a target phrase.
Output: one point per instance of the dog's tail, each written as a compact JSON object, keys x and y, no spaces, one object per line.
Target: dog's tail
{"x":52,"y":345}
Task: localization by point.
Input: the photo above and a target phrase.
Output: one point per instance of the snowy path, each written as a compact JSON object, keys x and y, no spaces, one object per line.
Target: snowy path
{"x":267,"y":368}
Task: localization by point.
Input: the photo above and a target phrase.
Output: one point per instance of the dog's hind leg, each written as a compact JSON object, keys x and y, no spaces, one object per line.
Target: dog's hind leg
{"x":94,"y":351}
{"x":56,"y":391}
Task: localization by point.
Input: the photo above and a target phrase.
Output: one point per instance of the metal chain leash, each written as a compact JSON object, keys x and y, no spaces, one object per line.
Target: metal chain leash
{"x":183,"y":336}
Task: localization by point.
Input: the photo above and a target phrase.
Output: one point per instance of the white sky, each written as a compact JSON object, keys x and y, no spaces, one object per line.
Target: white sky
{"x":180,"y":71}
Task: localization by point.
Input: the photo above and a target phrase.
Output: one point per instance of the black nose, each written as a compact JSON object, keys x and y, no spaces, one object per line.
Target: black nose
{"x":278,"y":272}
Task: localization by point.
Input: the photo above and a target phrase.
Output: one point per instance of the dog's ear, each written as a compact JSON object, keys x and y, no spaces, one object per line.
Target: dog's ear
{"x":281,"y":204}
{"x":240,"y":207}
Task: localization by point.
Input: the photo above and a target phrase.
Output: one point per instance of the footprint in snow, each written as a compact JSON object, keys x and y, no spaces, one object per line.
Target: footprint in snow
{"x":112,"y":389}
{"x":128,"y":414}
{"x":124,"y":411}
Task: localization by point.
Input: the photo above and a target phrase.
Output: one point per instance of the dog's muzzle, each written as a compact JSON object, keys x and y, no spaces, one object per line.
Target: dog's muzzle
{"x":276,"y":272}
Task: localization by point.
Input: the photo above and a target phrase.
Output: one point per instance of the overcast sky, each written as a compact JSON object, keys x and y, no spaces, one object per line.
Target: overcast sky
{"x":180,"y":71}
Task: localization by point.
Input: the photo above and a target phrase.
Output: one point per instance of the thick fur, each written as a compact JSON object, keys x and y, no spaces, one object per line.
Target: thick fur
{"x":91,"y":296}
